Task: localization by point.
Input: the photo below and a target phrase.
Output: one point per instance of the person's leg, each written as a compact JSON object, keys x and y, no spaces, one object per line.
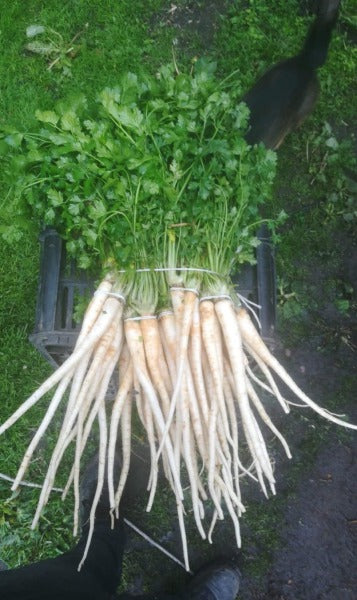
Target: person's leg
{"x":59,"y":578}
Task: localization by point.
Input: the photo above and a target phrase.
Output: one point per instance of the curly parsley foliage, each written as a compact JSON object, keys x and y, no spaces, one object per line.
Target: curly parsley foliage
{"x":156,"y":155}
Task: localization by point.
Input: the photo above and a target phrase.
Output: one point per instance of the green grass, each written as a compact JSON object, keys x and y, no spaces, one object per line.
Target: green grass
{"x":249,"y":37}
{"x":116,"y":39}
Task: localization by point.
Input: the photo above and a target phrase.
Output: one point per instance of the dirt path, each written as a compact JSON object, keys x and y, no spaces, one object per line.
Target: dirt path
{"x":317,"y":556}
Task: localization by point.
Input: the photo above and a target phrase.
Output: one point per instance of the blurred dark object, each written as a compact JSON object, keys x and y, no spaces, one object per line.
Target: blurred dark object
{"x":286,"y":94}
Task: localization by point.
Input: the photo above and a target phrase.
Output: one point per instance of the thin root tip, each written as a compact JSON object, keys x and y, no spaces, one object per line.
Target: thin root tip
{"x":112,"y":517}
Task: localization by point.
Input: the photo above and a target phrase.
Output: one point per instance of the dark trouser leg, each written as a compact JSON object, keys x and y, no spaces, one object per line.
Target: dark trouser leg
{"x":59,"y":579}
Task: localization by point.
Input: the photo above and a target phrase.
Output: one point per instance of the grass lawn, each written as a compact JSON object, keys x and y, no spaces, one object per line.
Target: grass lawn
{"x":314,"y":186}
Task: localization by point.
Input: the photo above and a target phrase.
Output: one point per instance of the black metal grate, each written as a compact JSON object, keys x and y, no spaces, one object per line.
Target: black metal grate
{"x":60,"y":284}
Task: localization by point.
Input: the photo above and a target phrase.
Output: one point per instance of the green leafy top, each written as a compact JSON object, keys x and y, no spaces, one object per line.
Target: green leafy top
{"x":158,"y":162}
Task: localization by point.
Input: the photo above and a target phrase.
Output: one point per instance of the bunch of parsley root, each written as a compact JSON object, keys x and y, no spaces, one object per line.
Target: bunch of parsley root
{"x":156,"y":188}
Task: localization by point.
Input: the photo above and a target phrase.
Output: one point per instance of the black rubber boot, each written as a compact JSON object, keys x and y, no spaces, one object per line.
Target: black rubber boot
{"x":215,"y":582}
